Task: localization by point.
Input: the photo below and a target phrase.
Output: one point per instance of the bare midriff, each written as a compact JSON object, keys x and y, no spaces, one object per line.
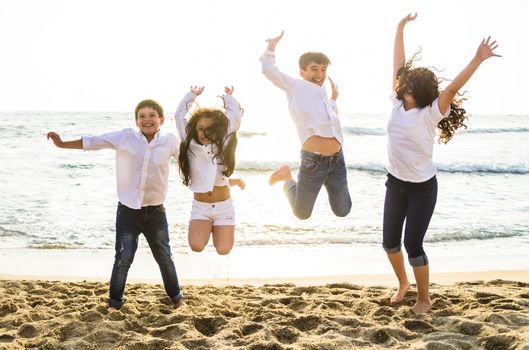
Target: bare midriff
{"x":324,"y":145}
{"x":219,"y":194}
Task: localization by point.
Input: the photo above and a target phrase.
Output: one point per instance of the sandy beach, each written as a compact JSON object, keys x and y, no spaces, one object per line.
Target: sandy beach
{"x":45,"y":314}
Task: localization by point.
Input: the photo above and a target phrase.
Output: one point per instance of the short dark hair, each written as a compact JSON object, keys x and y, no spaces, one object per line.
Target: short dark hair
{"x":149,"y":103}
{"x":308,"y":57}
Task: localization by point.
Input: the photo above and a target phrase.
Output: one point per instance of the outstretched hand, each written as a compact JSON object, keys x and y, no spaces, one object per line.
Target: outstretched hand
{"x":407,"y":19}
{"x":228,"y":90}
{"x":197,"y":90}
{"x":334,"y":89}
{"x":55,"y":138}
{"x":486,"y":50}
{"x":273,"y":41}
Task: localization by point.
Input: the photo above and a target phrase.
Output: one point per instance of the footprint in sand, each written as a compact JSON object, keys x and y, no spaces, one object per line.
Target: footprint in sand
{"x":266,"y":346}
{"x":91,"y":316}
{"x":418,"y":326}
{"x":202,"y":343}
{"x":7,"y":308}
{"x":251,"y":328}
{"x":497,"y":319}
{"x":286,"y":335}
{"x":498,"y":342}
{"x":171,"y":332}
{"x":28,"y":331}
{"x":209,"y":326}
{"x":307,"y":323}
{"x":6,"y":338}
{"x":380,"y":336}
{"x":384,"y":311}
{"x":470,"y":328}
{"x":148,"y":345}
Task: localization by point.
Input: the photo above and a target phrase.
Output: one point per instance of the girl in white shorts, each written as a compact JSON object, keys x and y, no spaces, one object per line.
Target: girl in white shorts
{"x":207,"y":160}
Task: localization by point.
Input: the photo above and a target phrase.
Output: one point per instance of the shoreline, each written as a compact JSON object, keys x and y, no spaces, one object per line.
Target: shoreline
{"x":253,"y":266}
{"x":366,"y":280}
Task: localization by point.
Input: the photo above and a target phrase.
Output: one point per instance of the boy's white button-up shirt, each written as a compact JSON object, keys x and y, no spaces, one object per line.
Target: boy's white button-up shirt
{"x":205,"y":171}
{"x":142,"y":168}
{"x":313,"y":112}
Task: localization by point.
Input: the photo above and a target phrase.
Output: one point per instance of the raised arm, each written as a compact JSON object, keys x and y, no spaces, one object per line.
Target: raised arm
{"x":183,"y":109}
{"x":269,"y":68}
{"x":233,"y":110}
{"x":56,"y":138}
{"x":399,"y":55}
{"x":485,"y":51}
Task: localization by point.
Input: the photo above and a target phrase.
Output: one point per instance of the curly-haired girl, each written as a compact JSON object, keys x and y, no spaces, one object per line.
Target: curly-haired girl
{"x":207,"y":160}
{"x":419,"y":108}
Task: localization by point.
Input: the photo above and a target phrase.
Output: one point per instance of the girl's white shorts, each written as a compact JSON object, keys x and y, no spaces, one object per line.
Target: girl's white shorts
{"x":219,"y":213}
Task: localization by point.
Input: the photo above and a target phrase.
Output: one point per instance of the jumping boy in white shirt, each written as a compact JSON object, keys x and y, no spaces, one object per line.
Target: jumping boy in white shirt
{"x":142,"y":162}
{"x":319,"y":131}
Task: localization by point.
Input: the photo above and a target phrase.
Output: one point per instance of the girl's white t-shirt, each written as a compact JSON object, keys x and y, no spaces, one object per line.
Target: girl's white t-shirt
{"x":411,"y":137}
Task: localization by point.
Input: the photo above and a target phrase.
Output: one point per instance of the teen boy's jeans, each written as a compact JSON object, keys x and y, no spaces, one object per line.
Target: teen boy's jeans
{"x":152,"y":222}
{"x":315,"y":171}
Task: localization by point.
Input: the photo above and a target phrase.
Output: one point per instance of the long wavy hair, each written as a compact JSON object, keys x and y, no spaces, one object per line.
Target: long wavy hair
{"x":423,"y":85}
{"x":217,"y":133}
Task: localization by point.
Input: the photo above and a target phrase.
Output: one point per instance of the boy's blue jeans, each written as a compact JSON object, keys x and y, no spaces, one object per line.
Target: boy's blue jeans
{"x":315,"y":171}
{"x":152,"y":222}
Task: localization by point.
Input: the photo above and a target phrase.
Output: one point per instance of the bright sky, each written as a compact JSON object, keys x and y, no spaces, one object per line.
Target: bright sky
{"x":103,"y":55}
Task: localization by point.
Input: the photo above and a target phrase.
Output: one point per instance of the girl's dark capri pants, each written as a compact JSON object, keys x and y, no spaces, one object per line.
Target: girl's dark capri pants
{"x":415,"y":203}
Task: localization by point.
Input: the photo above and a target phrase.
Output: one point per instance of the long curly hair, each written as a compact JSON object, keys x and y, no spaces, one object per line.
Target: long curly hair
{"x":217,"y":133}
{"x":423,"y":85}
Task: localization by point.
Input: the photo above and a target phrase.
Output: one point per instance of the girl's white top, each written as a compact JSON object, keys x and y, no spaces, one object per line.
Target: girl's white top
{"x":312,"y":111}
{"x":411,"y":137}
{"x":206,"y":169}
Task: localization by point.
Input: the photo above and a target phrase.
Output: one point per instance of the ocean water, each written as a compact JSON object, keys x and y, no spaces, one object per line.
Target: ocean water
{"x":66,"y":199}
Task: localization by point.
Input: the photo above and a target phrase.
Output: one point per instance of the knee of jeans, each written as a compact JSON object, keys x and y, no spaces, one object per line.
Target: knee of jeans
{"x":421,"y":260}
{"x":123,"y":263}
{"x":391,"y":248}
{"x":342,"y":212}
{"x":164,"y":259}
{"x":302,"y":214}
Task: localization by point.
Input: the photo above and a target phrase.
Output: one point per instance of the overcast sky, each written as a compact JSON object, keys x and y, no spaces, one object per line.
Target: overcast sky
{"x":103,"y":55}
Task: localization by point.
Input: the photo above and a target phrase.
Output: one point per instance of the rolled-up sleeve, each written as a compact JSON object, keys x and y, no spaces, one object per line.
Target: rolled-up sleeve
{"x":111,"y":140}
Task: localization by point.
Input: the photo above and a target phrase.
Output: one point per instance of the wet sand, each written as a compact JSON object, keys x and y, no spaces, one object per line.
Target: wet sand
{"x":46,"y":314}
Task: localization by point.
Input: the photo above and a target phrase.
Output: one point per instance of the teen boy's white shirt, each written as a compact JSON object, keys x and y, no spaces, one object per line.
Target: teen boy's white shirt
{"x":205,"y":171}
{"x":411,"y":137}
{"x":313,"y":112}
{"x":142,"y":168}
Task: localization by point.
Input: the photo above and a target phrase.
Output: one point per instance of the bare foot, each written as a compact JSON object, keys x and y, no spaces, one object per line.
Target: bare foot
{"x":400,"y":293}
{"x":422,"y":307}
{"x":281,"y":174}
